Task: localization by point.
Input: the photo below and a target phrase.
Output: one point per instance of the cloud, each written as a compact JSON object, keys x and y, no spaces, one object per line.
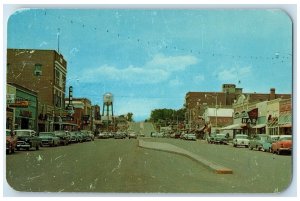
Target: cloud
{"x":199,"y":78}
{"x":140,"y":107}
{"x":234,"y":73}
{"x":157,"y":70}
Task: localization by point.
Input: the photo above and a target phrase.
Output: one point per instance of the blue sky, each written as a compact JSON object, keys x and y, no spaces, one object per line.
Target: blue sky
{"x":151,"y":58}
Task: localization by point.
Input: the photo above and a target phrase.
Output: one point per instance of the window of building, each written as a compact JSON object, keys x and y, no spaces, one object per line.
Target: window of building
{"x":38,"y":69}
{"x":57,"y":76}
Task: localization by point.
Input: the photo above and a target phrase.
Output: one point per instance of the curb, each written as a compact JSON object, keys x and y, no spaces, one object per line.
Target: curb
{"x":218,"y":169}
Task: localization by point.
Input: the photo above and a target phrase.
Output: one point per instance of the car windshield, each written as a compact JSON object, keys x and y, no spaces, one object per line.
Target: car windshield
{"x":46,"y":134}
{"x":286,"y":138}
{"x":241,"y":136}
{"x":23,"y":133}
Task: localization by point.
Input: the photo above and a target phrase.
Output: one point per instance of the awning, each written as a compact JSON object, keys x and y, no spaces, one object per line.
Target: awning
{"x":259,"y":126}
{"x":234,"y":126}
{"x":286,"y":126}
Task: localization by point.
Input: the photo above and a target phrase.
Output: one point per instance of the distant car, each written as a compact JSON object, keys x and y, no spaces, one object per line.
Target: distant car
{"x":141,"y":134}
{"x":49,"y":139}
{"x":220,"y":138}
{"x":132,"y":135}
{"x":210,"y":139}
{"x":64,"y":137}
{"x":240,"y":140}
{"x":266,"y":146}
{"x":177,"y":135}
{"x":27,"y":139}
{"x":190,"y":136}
{"x":257,"y":141}
{"x":153,"y":134}
{"x":74,"y":137}
{"x":284,"y":144}
{"x":11,"y":141}
{"x":88,"y":135}
{"x":119,"y":135}
{"x":104,"y":135}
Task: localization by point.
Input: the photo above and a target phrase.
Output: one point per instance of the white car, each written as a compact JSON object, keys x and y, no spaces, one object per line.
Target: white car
{"x":241,"y":140}
{"x":190,"y":136}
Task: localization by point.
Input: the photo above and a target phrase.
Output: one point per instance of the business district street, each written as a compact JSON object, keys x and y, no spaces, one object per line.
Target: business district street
{"x":119,"y":165}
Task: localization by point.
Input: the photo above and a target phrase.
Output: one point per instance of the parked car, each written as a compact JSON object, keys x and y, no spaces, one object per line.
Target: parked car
{"x":190,"y":136}
{"x":266,"y":146}
{"x":284,"y":144}
{"x":210,"y":139}
{"x":64,"y":137}
{"x":75,"y":137}
{"x":27,"y":139}
{"x":220,"y":138}
{"x":49,"y":139}
{"x":141,"y":134}
{"x":11,"y":141}
{"x":240,"y":140}
{"x":89,"y":136}
{"x":257,"y":141}
{"x":132,"y":135}
{"x":119,"y":135}
{"x":104,"y":135}
{"x":154,"y":134}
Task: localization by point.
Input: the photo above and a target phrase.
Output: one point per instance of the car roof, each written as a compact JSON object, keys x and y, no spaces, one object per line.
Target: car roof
{"x":24,"y":130}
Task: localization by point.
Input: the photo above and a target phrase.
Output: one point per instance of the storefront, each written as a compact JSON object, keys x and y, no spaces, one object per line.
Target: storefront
{"x":25,"y":106}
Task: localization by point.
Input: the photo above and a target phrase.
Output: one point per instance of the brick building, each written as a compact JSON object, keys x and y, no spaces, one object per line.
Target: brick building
{"x":83,"y":114}
{"x":44,"y":72}
{"x":197,"y":102}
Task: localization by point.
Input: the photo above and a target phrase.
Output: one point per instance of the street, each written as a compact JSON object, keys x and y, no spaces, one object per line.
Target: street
{"x":119,"y":165}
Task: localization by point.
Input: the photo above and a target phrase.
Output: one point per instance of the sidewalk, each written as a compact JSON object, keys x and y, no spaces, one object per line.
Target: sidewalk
{"x":174,"y":149}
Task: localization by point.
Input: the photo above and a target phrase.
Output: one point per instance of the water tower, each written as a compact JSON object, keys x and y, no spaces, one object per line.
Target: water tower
{"x":108,"y":104}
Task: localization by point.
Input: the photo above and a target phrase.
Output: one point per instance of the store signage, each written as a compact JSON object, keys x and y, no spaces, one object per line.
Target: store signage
{"x":253,"y":114}
{"x":248,"y":121}
{"x":19,"y":103}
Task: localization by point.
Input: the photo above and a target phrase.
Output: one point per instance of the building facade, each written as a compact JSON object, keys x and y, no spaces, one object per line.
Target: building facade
{"x":22,"y":108}
{"x":196,"y":102}
{"x":44,"y":72}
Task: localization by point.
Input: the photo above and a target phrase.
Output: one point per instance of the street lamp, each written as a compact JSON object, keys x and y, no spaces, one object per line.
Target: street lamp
{"x":216,"y":105}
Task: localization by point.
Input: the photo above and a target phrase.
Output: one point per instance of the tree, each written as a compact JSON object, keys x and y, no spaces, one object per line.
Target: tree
{"x":130,"y":117}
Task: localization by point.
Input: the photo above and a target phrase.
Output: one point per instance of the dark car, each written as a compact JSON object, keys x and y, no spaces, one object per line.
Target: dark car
{"x":89,"y":136}
{"x":220,"y":139}
{"x":11,"y":141}
{"x":64,"y":137}
{"x":49,"y":139}
{"x":74,"y":137}
{"x":211,"y":138}
{"x":27,"y":139}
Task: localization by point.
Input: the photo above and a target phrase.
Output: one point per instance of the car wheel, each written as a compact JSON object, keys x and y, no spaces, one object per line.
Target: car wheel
{"x":250,"y":148}
{"x":37,"y":147}
{"x":278,"y":152}
{"x":18,"y":148}
{"x":27,"y":148}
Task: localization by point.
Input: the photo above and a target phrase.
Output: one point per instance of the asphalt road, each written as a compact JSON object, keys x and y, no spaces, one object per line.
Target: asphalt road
{"x":119,"y":165}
